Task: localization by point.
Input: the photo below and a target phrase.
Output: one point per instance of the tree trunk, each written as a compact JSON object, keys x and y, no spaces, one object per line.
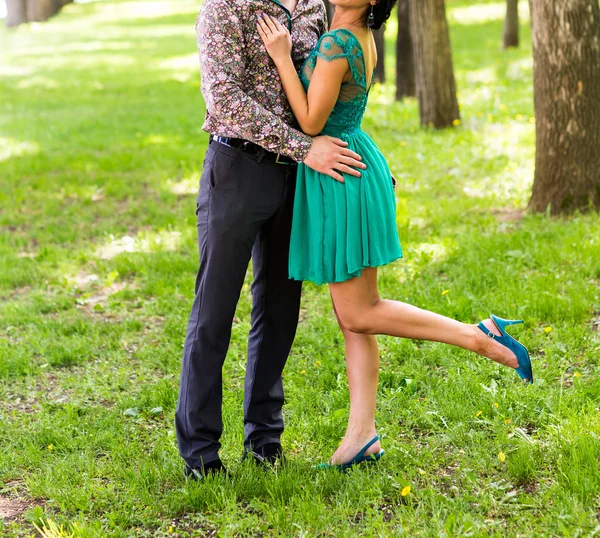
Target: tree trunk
{"x":405,"y":65}
{"x":511,"y":24}
{"x":41,"y":10}
{"x":21,"y":11}
{"x":566,"y":80}
{"x":436,"y":88}
{"x":16,"y":12}
{"x":328,"y":8}
{"x":380,"y":44}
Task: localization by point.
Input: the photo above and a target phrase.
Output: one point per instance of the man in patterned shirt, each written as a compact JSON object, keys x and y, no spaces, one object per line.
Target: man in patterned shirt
{"x":244,"y":211}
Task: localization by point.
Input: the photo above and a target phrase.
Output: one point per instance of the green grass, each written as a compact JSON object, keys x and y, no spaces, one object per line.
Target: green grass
{"x":100,"y":154}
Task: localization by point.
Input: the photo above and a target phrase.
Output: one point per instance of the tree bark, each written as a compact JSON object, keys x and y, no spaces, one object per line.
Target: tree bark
{"x":405,"y":65}
{"x":41,"y":10}
{"x":436,"y":88}
{"x":380,"y":44}
{"x":16,"y":12}
{"x":511,"y":24}
{"x":566,"y":80}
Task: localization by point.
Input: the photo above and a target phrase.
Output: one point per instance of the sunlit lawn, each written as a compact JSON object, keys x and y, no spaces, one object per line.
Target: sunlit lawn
{"x":100,"y":154}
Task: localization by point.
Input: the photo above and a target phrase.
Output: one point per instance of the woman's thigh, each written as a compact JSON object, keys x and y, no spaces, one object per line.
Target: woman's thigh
{"x":354,"y":299}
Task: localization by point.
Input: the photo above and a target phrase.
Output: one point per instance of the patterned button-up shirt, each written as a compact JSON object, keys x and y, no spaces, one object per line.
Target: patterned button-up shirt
{"x":240,"y":83}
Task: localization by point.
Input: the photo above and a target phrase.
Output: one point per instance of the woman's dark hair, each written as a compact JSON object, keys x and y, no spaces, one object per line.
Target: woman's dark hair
{"x":381,"y":11}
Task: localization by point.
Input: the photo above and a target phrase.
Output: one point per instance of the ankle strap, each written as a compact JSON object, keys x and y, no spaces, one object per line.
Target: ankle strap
{"x":367,"y":446}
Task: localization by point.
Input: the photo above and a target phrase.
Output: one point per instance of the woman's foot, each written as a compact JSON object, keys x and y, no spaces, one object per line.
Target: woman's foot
{"x":352,"y":444}
{"x":490,"y":348}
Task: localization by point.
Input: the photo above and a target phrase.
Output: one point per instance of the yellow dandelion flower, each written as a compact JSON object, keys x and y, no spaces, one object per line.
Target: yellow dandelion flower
{"x":547,"y":329}
{"x":50,"y":448}
{"x":577,"y":374}
{"x":445,"y":292}
{"x":171,"y":529}
{"x":317,"y":364}
{"x":303,"y":372}
{"x":507,"y":421}
{"x":405,"y":491}
{"x":531,"y":120}
{"x":479,"y":413}
{"x":496,"y":405}
{"x":456,"y":122}
{"x":501,"y":457}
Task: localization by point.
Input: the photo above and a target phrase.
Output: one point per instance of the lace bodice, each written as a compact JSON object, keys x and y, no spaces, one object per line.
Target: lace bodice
{"x":347,"y":114}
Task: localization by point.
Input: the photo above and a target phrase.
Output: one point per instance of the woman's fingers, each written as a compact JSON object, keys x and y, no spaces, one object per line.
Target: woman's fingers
{"x":261,"y":24}
{"x":261,"y":31}
{"x":280,"y":26}
{"x":270,"y":24}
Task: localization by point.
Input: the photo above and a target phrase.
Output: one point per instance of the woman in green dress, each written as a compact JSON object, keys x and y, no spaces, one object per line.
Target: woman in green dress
{"x":344,"y":229}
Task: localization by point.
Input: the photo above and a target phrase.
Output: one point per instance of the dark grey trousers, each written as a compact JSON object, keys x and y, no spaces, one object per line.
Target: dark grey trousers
{"x":244,"y":210}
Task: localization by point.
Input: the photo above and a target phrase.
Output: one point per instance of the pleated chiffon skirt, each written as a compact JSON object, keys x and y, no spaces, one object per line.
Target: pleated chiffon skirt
{"x":340,"y":228}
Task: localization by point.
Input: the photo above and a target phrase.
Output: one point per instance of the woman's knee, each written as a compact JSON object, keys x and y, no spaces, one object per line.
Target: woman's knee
{"x":357,"y":321}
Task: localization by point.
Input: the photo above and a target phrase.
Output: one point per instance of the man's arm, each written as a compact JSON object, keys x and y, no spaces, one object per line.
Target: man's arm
{"x":220,"y":45}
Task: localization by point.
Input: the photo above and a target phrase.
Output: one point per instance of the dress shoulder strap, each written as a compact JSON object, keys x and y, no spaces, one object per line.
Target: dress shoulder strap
{"x":332,"y":46}
{"x":342,"y":43}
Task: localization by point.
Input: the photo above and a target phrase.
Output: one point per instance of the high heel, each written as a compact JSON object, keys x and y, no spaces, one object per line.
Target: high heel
{"x":359,"y":458}
{"x":524,"y":370}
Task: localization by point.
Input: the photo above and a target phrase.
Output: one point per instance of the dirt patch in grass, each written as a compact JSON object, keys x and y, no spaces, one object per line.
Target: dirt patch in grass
{"x":509,"y":214}
{"x":15,"y":293}
{"x":11,"y":509}
{"x":22,"y":405}
{"x":93,"y":295}
{"x":101,"y":295}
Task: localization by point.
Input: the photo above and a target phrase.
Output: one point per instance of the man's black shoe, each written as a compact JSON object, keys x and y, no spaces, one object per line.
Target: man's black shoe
{"x":199,"y":473}
{"x":269,"y":454}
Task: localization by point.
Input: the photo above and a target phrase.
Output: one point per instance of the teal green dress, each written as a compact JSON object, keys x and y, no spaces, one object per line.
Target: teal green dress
{"x":340,"y":228}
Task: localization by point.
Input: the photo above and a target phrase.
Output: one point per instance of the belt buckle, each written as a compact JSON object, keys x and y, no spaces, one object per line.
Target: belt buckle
{"x":278,"y":161}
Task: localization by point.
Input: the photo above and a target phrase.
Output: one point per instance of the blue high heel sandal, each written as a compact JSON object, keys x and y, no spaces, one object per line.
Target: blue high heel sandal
{"x":359,"y":458}
{"x":524,"y":369}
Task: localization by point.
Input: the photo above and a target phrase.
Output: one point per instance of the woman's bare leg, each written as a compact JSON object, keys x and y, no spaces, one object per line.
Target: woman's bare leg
{"x":361,"y":311}
{"x":362,"y":315}
{"x":362,"y":365}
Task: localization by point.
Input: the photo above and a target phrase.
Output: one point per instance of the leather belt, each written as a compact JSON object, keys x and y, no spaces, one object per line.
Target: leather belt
{"x":253,"y":149}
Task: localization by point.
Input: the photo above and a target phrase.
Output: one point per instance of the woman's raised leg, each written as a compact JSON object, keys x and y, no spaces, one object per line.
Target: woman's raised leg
{"x":360,"y":310}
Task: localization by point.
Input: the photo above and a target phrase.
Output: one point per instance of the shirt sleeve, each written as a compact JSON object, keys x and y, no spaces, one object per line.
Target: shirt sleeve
{"x":220,"y":46}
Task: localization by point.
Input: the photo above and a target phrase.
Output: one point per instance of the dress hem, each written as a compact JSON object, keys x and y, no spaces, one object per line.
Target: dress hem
{"x":350,"y":276}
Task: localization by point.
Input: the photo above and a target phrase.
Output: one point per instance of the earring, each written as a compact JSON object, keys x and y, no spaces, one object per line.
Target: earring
{"x":371,"y":17}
